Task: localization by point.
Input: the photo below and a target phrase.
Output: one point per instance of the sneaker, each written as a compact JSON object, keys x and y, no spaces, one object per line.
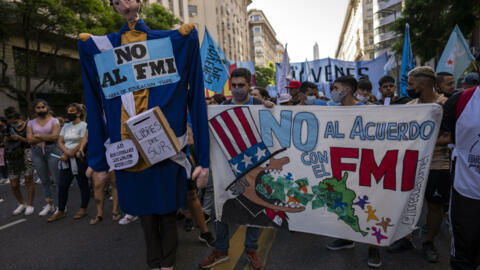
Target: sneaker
{"x":374,"y":259}
{"x":47,"y":209}
{"x":430,"y":252}
{"x":80,"y":214}
{"x":213,"y":259}
{"x":340,"y":244}
{"x":38,"y":181}
{"x":127,"y":219}
{"x":2,"y":200}
{"x":208,"y":218}
{"x":400,"y":245}
{"x":188,"y":227}
{"x":29,"y":210}
{"x":207,"y":238}
{"x":255,"y":262}
{"x":58,"y":215}
{"x":19,"y":209}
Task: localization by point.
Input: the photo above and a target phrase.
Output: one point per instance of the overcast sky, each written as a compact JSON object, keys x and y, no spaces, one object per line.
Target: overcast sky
{"x":301,"y":23}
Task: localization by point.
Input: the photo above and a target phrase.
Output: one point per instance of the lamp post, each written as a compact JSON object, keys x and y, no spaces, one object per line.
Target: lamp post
{"x":394,"y":12}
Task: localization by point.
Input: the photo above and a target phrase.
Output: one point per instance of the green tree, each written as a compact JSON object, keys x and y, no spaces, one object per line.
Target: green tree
{"x":265,"y":76}
{"x":55,"y":24}
{"x":432,"y":21}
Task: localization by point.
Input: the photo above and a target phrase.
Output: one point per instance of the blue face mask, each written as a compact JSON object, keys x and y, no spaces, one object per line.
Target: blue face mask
{"x":310,"y":100}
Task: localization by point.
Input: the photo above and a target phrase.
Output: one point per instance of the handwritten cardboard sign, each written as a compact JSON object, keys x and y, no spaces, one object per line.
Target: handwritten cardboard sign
{"x":136,"y":66}
{"x":154,"y":138}
{"x":121,"y":155}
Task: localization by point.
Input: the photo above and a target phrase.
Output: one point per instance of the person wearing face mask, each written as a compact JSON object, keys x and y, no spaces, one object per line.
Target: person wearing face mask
{"x":421,"y":81}
{"x":42,"y":134}
{"x":72,"y":141}
{"x":240,"y":79}
{"x":445,"y":84}
{"x":364,"y":91}
{"x":260,"y":93}
{"x":312,"y":95}
{"x":342,"y":93}
{"x":19,"y":158}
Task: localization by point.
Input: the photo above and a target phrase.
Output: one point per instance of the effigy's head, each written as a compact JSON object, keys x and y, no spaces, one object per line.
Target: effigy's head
{"x":129,"y":9}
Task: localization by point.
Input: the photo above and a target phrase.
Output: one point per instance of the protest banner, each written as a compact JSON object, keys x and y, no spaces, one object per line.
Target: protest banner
{"x":136,"y":66}
{"x":343,"y":172}
{"x":323,"y":72}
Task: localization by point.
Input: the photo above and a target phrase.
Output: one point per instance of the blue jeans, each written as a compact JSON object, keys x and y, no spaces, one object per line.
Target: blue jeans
{"x":222,"y":232}
{"x":208,"y":203}
{"x":45,"y":163}
{"x":223,"y":237}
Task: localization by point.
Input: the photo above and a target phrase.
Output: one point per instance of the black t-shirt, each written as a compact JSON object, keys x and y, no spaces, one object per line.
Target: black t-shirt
{"x":395,"y":101}
{"x":11,"y":145}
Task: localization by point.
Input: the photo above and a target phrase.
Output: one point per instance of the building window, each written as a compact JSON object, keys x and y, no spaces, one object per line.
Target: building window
{"x":193,"y":10}
{"x":257,"y":29}
{"x":255,"y":18}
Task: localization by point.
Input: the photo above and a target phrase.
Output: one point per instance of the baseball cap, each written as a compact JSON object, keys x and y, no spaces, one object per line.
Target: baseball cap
{"x":471,"y":79}
{"x":294,"y":84}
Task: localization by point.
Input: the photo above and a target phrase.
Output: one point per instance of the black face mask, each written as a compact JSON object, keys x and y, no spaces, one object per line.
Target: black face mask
{"x":42,"y":114}
{"x":71,"y":116}
{"x":413,"y":94}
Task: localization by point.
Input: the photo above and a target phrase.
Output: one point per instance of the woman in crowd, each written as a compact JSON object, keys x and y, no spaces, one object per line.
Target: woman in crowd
{"x":73,"y":163}
{"x":42,"y":134}
{"x":19,"y":158}
{"x":260,"y":93}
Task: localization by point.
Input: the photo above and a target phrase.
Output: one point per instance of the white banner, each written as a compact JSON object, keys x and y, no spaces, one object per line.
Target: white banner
{"x":356,"y":173}
{"x":323,"y":72}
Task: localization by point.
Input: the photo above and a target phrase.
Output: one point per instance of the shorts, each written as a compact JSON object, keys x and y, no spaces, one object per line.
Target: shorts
{"x":27,"y":169}
{"x":438,"y":188}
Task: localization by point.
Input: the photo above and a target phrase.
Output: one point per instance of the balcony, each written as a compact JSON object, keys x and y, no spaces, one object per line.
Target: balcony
{"x":385,"y":36}
{"x":389,"y":19}
{"x":387,"y":4}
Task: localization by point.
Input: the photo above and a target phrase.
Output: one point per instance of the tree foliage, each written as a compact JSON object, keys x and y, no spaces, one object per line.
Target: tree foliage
{"x":47,"y":28}
{"x":432,"y":21}
{"x":265,"y":76}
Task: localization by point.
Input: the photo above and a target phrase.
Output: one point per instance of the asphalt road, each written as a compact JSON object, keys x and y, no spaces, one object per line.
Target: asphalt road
{"x":32,"y":243}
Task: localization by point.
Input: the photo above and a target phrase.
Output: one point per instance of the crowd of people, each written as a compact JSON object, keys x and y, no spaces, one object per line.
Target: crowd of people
{"x":56,"y":153}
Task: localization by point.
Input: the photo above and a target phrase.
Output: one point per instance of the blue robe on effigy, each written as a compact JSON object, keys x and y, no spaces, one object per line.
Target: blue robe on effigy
{"x":162,"y":188}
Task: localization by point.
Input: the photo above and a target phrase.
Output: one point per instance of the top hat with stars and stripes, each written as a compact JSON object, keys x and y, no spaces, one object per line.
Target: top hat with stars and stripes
{"x":239,"y":139}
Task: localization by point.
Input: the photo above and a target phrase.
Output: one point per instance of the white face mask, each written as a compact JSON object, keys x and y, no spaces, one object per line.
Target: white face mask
{"x":337,"y":96}
{"x":362,"y":98}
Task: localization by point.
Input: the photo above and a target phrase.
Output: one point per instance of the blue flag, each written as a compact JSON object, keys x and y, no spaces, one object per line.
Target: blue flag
{"x":408,"y":62}
{"x":390,"y":64}
{"x":456,"y":56}
{"x":214,"y":64}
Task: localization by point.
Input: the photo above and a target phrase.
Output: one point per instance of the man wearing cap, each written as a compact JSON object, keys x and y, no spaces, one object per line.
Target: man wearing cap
{"x":471,"y":80}
{"x":296,"y":96}
{"x":421,"y":81}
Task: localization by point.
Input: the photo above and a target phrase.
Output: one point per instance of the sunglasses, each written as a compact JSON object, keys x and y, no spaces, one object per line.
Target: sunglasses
{"x":238,"y":85}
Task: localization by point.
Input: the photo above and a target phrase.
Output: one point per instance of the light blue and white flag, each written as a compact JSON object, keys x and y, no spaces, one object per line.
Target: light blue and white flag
{"x":391,"y":63}
{"x":408,"y":62}
{"x":456,"y":56}
{"x":306,"y":71}
{"x":214,"y":64}
{"x":282,"y":77}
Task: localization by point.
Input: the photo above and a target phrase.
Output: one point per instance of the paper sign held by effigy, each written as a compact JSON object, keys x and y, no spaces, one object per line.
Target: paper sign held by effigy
{"x":153,"y":136}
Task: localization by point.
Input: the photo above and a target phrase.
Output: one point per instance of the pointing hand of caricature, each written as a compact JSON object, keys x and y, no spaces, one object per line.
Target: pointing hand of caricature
{"x":186,"y":29}
{"x":200,"y":175}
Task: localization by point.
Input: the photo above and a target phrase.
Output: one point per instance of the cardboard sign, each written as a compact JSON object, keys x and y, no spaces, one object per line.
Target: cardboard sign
{"x":121,"y":155}
{"x":356,"y":172}
{"x":154,"y":138}
{"x":136,"y":66}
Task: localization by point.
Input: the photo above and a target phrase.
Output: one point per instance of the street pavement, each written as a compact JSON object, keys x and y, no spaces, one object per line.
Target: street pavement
{"x":29,"y":242}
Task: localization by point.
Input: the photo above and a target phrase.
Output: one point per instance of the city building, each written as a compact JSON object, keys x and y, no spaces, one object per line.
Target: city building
{"x":385,"y":13}
{"x":227,"y":23}
{"x":179,"y":8}
{"x":316,"y":53}
{"x":265,"y":47}
{"x":356,"y":39}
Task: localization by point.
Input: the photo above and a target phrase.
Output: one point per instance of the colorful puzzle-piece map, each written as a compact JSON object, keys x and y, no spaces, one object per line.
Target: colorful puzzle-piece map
{"x":330,"y":193}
